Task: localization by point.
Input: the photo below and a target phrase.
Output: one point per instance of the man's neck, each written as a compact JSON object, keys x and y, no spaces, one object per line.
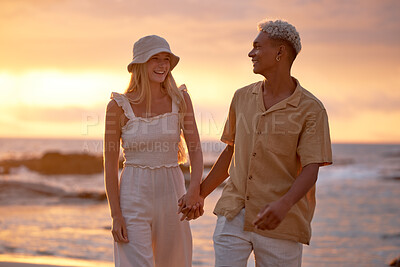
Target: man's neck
{"x":277,"y":85}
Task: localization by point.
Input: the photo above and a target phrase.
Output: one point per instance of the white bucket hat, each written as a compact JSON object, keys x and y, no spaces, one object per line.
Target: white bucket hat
{"x":148,"y":46}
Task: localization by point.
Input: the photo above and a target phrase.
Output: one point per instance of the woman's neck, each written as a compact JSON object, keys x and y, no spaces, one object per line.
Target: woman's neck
{"x":156,"y":91}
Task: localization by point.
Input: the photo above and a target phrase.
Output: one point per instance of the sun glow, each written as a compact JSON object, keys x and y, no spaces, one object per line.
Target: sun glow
{"x":56,"y":88}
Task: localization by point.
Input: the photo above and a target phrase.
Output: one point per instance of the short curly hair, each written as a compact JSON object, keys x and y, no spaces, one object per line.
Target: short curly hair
{"x":281,"y":30}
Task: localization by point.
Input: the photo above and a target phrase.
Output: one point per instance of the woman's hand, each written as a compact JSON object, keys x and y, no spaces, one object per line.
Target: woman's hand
{"x":191,"y":205}
{"x":119,"y":232}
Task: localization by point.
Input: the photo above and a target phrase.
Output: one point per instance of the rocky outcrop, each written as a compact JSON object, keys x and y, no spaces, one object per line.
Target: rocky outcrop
{"x":395,"y":262}
{"x":58,"y":163}
{"x":52,"y":163}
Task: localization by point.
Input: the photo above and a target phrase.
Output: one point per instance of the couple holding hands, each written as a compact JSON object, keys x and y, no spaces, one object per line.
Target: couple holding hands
{"x":276,"y":136}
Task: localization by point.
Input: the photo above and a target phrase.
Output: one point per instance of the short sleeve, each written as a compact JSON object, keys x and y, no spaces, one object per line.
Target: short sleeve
{"x":124,"y":104}
{"x":315,"y":142}
{"x":228,"y":135}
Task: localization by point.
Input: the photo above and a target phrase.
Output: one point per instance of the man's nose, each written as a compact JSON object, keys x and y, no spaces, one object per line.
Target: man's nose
{"x":251,"y":53}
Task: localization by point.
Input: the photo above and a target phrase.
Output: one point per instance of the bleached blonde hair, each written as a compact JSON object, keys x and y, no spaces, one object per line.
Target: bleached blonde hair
{"x":140,"y":84}
{"x":281,"y":30}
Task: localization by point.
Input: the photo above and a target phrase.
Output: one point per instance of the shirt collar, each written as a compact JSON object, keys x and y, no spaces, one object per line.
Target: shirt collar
{"x":293,"y":100}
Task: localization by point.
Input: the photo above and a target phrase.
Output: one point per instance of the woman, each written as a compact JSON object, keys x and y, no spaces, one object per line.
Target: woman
{"x":148,"y":119}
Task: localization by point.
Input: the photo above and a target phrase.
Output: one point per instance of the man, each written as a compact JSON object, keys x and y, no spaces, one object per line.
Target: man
{"x":277,"y":137}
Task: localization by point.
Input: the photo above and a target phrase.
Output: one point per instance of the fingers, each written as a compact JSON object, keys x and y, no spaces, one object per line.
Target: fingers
{"x":270,"y":225}
{"x":181,"y":204}
{"x":266,"y":220}
{"x":190,"y":215}
{"x":261,"y":216}
{"x":124,"y":234}
{"x":184,"y":212}
{"x":180,"y":207}
{"x":119,"y":231}
{"x":196,"y":213}
{"x":190,"y":212}
{"x":120,"y":235}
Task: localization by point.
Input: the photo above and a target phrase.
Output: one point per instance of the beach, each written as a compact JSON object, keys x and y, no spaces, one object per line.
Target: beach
{"x":60,"y":220}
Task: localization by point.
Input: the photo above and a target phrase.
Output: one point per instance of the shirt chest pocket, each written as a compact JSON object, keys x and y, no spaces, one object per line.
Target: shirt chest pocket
{"x":281,"y":138}
{"x":282,"y":144}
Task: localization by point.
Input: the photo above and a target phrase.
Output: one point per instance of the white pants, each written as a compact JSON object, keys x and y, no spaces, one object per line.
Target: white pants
{"x":233,"y":246}
{"x":149,"y":205}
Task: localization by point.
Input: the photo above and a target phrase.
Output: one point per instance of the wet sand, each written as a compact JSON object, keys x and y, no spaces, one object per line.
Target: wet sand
{"x":47,"y":261}
{"x":356,"y":224}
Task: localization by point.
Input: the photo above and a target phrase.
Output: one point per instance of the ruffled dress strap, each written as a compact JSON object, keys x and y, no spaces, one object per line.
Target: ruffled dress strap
{"x":123,"y":102}
{"x":175,"y":104}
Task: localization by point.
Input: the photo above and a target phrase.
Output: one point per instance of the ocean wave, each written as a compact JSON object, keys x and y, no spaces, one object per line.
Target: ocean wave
{"x":14,"y":191}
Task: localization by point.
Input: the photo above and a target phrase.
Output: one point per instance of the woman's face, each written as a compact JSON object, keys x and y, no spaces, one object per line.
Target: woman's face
{"x":158,"y":67}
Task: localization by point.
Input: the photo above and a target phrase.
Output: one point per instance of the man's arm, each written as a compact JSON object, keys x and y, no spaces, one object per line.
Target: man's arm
{"x":216,"y":176}
{"x":273,"y":213}
{"x":218,"y":173}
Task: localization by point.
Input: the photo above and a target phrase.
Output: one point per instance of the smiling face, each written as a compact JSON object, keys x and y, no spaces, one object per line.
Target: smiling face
{"x":158,"y":67}
{"x":264,"y":53}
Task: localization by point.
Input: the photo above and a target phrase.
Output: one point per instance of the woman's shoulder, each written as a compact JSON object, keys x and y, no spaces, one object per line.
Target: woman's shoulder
{"x":182,"y":88}
{"x":115,"y":103}
{"x":184,"y":92}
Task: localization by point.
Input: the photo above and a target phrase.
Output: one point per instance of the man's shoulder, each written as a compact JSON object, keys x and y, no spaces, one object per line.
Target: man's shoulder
{"x":309,"y":98}
{"x":248,"y":89}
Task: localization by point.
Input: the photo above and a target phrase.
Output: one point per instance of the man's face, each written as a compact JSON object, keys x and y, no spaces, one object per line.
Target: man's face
{"x":264,"y":52}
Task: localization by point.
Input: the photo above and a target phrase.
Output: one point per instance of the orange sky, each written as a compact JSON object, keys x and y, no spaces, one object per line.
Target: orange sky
{"x":60,"y":60}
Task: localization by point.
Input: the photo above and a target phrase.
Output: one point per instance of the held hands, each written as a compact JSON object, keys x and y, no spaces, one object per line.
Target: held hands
{"x":271,"y":215}
{"x":191,"y":205}
{"x":119,"y":232}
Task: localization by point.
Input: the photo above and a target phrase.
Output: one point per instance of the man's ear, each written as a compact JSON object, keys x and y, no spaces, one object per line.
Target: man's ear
{"x":282,"y":49}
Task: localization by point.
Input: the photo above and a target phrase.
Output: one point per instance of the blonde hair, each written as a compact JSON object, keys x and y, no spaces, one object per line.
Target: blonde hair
{"x":281,"y":30}
{"x":140,"y":84}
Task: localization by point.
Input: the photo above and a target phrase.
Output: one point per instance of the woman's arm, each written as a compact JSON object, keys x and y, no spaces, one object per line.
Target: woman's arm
{"x":111,"y":149}
{"x":192,"y":139}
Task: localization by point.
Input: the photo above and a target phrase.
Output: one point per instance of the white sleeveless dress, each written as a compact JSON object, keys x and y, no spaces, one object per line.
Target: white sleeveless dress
{"x":151,"y":183}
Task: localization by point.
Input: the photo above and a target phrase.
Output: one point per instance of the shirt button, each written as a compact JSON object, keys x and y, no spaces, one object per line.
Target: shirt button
{"x":247,"y":197}
{"x":250,"y":177}
{"x":254,"y":154}
{"x":259,"y":132}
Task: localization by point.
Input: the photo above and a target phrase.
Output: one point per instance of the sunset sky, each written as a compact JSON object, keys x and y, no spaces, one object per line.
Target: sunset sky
{"x":61,"y":59}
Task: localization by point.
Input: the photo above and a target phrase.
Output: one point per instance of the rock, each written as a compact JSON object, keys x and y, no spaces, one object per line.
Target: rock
{"x":58,"y":163}
{"x":395,"y":262}
{"x":75,"y":163}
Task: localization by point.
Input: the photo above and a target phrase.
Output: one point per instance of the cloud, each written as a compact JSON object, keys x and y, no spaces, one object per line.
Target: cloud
{"x":99,"y":34}
{"x":354,"y":105}
{"x":55,"y":115}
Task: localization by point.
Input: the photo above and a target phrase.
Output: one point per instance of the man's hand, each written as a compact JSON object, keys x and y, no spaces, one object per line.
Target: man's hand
{"x":271,"y":215}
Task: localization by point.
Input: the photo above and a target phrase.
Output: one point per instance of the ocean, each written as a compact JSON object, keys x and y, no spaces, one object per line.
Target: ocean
{"x":356,"y":222}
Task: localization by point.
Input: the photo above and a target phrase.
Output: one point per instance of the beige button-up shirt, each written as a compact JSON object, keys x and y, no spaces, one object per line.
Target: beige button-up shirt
{"x":271,"y":147}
